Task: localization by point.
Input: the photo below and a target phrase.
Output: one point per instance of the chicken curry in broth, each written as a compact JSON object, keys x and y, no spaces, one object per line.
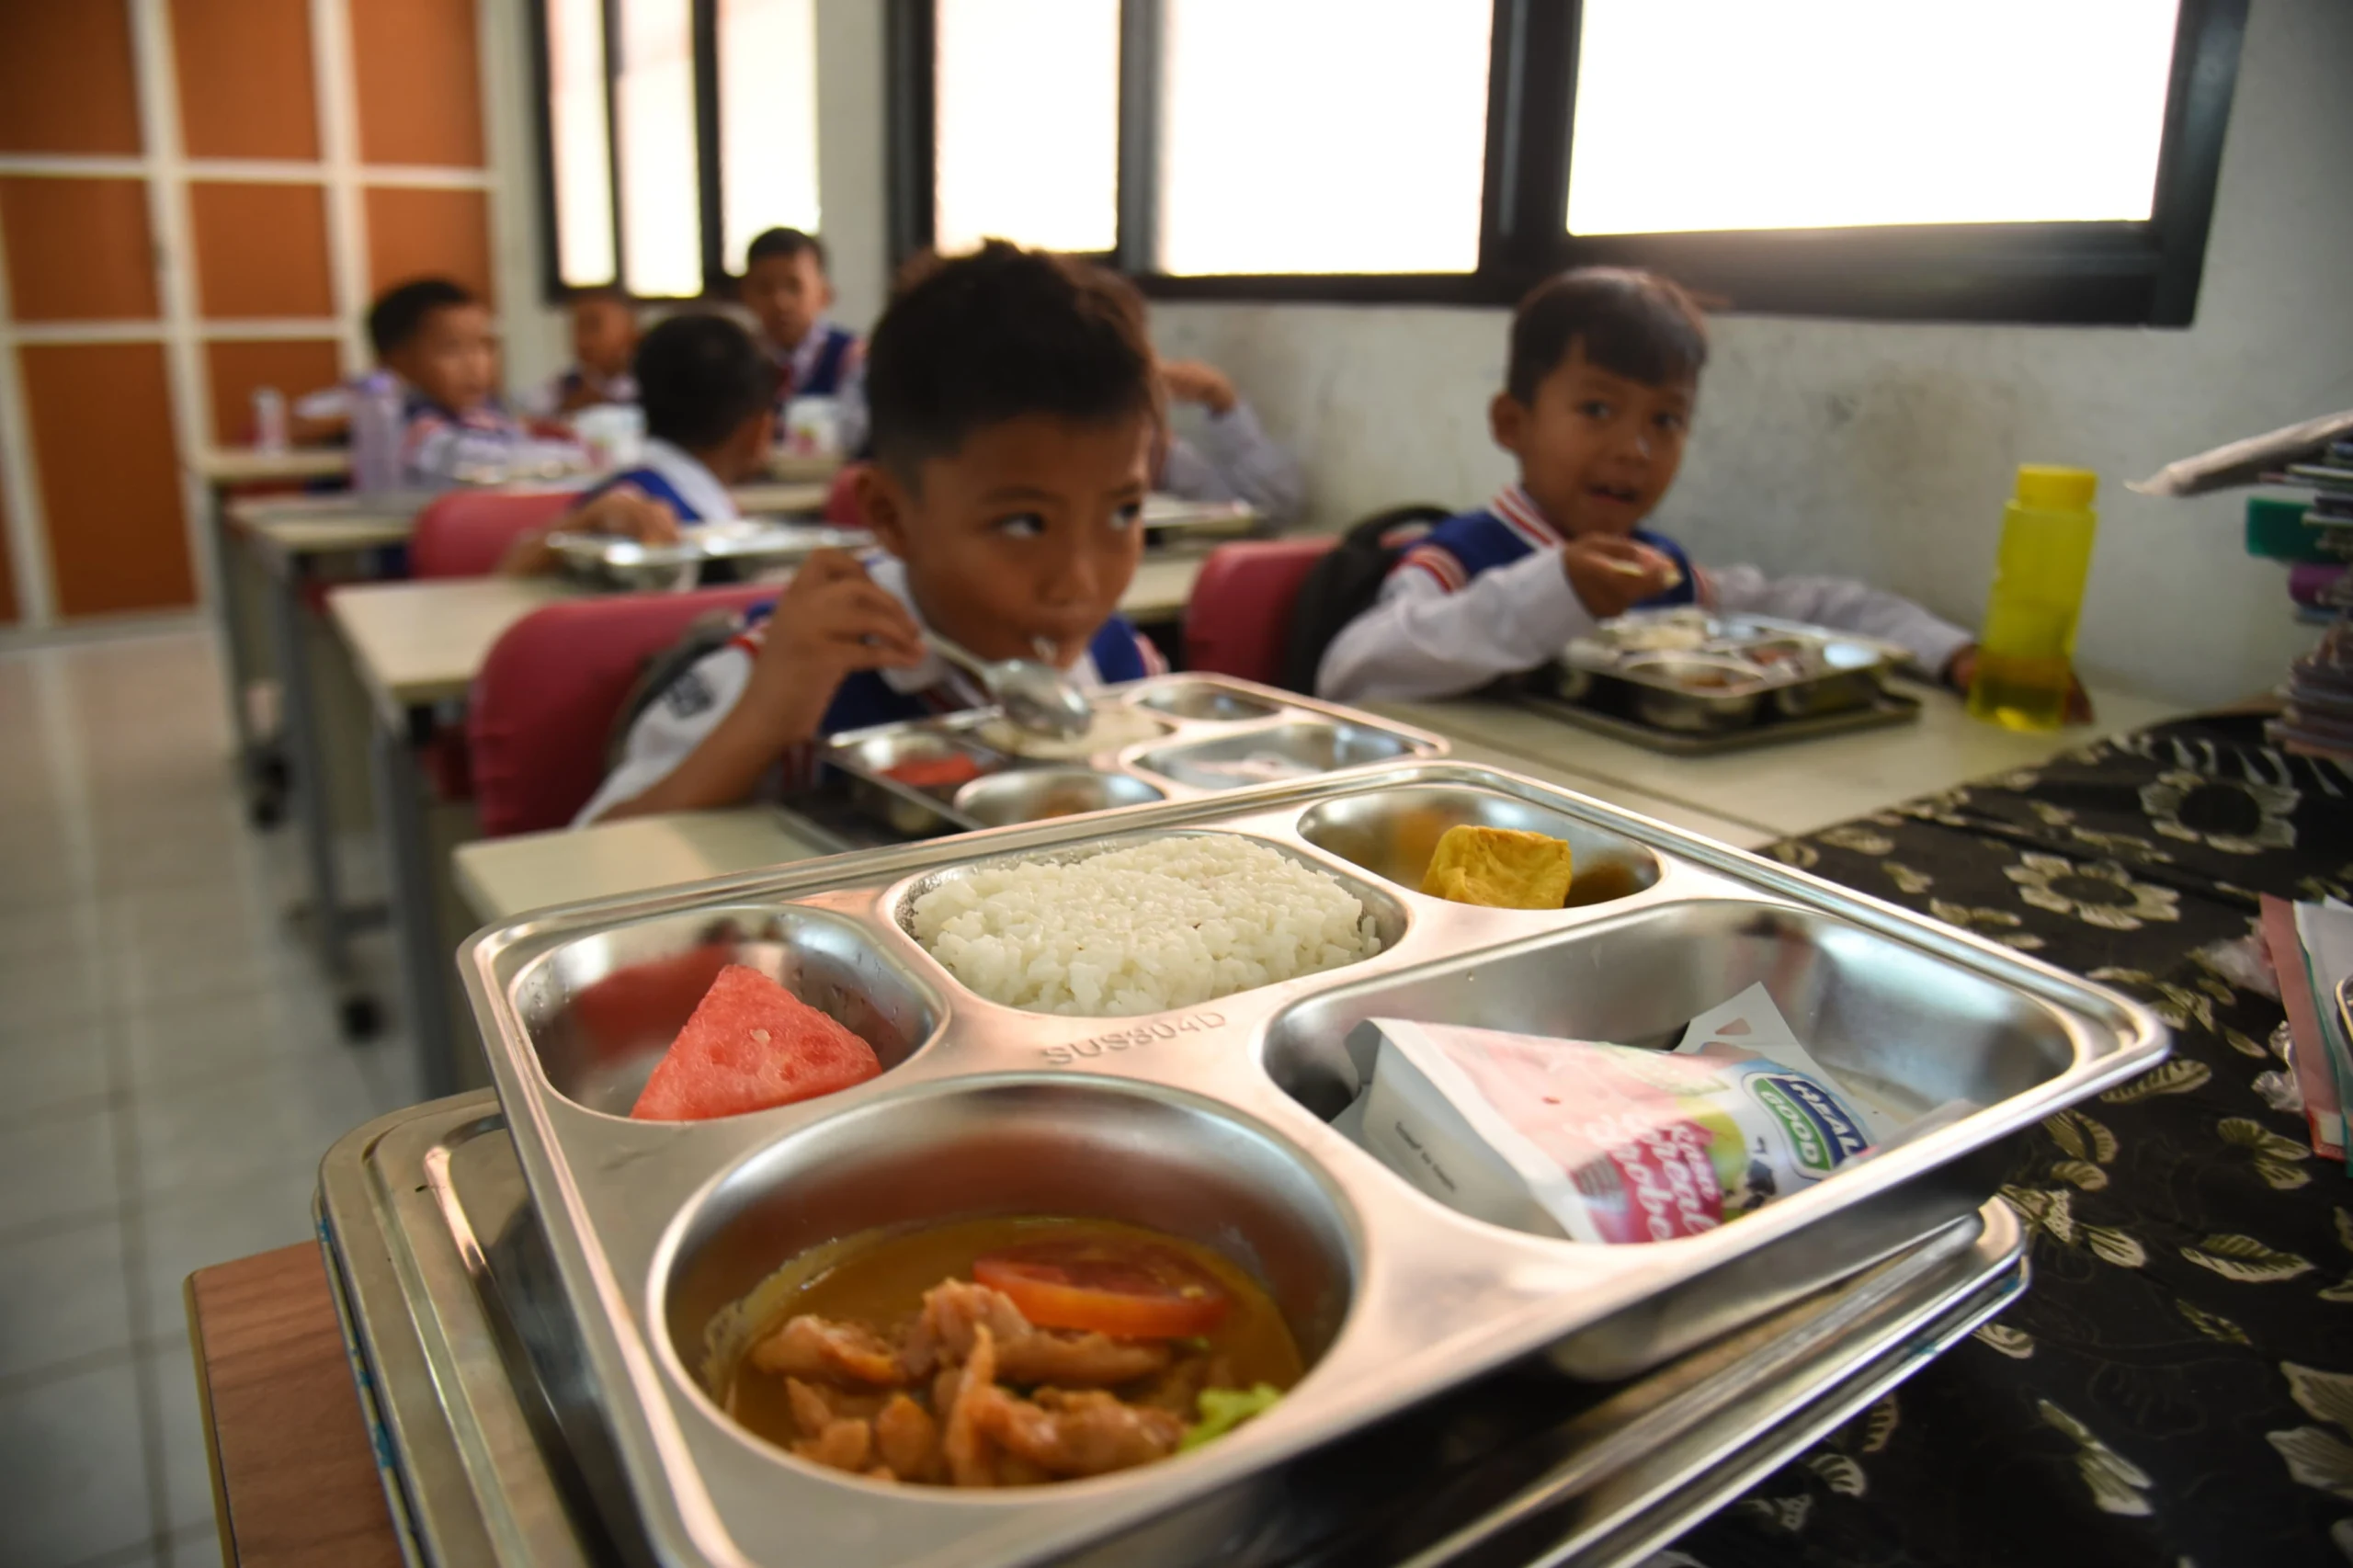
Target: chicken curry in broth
{"x":1001,"y":1351}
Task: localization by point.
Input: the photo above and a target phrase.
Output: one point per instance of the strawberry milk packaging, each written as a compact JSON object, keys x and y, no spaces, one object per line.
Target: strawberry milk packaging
{"x":1612,"y":1143}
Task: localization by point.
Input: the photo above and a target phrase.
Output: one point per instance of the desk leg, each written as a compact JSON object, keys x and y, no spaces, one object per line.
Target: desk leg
{"x":417,"y":928}
{"x":314,"y":800}
{"x":260,"y":771}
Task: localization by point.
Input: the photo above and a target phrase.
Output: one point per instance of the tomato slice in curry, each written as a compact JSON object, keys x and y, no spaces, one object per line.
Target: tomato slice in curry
{"x":1126,"y":1289}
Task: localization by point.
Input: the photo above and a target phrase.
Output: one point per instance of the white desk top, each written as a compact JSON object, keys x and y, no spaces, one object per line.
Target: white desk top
{"x":247,"y":465}
{"x":1793,"y":787}
{"x":501,"y":878}
{"x":418,"y":643}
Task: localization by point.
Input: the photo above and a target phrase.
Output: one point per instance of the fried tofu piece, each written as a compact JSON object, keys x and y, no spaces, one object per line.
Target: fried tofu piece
{"x":1499,"y":867}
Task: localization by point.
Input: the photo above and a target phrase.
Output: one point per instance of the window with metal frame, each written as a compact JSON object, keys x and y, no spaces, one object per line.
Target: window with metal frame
{"x":2018,"y":160}
{"x":672,"y":133}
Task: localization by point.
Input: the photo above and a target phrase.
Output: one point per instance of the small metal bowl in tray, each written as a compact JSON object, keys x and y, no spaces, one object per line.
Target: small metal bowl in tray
{"x":1685,"y":672}
{"x":1214,"y":733}
{"x":1227,"y":1123}
{"x":749,"y":544}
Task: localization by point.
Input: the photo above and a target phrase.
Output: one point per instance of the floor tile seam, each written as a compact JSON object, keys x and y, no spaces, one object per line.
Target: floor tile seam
{"x":153,"y":1456}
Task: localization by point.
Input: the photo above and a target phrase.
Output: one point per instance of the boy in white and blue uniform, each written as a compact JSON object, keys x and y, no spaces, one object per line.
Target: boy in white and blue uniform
{"x":604,"y":342}
{"x":1016,"y":411}
{"x":436,"y":338}
{"x":707,"y":392}
{"x":786,"y":289}
{"x":1230,"y":457}
{"x":1602,"y":379}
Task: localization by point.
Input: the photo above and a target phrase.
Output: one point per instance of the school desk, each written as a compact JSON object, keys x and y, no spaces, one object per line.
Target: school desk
{"x":1799,"y":786}
{"x":236,"y":599}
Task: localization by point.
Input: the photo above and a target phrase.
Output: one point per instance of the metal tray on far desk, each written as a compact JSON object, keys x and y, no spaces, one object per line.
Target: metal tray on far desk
{"x":748,"y":545}
{"x":1216,"y":1122}
{"x":497,"y":1456}
{"x":1888,"y":707}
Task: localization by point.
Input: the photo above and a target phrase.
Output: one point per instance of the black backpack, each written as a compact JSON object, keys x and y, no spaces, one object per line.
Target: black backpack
{"x":1345,"y":583}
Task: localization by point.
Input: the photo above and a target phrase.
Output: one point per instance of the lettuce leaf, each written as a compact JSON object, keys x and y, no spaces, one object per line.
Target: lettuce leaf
{"x":1223,"y":1410}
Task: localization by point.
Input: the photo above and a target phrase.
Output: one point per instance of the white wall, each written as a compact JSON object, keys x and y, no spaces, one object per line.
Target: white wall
{"x":1885,"y":450}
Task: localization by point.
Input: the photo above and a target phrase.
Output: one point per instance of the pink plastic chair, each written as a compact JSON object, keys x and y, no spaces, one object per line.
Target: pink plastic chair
{"x":467,"y":532}
{"x":545,"y":702}
{"x":841,"y":498}
{"x":1239,"y":614}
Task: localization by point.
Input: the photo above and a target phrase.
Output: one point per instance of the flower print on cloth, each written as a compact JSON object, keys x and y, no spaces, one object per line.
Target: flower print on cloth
{"x":2236,"y":817}
{"x":2315,"y":1455}
{"x":2097,"y":892}
{"x":1998,"y":924}
{"x":2116,"y":1483}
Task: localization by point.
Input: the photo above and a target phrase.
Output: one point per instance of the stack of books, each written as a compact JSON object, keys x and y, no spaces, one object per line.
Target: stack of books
{"x":2312,"y":952}
{"x":2312,"y":530}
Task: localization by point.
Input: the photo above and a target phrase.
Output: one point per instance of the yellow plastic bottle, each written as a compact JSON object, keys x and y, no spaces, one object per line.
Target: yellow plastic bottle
{"x":2026,"y":653}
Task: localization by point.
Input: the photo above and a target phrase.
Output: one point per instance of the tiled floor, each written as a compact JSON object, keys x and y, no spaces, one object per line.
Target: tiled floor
{"x":170,"y":1074}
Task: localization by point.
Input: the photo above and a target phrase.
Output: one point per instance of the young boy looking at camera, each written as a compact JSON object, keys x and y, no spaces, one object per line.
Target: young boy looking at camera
{"x":436,"y":338}
{"x":1014,"y":409}
{"x":1603,"y":376}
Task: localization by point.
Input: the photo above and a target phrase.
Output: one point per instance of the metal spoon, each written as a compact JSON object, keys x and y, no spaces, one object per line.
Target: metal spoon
{"x":1034,"y":696}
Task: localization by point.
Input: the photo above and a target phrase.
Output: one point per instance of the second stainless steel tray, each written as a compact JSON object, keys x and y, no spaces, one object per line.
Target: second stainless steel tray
{"x":1885,"y":709}
{"x":497,"y":1455}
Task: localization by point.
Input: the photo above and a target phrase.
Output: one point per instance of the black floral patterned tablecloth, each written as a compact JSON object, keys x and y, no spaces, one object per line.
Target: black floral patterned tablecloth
{"x":2175,"y":1388}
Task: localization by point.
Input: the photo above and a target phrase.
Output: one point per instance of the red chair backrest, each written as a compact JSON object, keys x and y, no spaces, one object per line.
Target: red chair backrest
{"x":544,"y":702}
{"x":842,"y":509}
{"x":1239,"y":614}
{"x":466,"y":533}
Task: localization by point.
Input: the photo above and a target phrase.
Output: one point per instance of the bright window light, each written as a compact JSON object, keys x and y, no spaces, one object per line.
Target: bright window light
{"x":1025,"y":123}
{"x":584,"y":190}
{"x":767,"y":120}
{"x":661,"y":205}
{"x":1301,"y":136}
{"x":1805,"y":114}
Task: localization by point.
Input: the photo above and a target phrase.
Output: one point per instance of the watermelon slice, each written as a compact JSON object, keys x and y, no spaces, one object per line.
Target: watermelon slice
{"x":640,"y":1004}
{"x":752,"y":1044}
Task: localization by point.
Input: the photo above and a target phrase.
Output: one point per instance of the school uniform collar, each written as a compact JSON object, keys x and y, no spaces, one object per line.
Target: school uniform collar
{"x":1518,"y":512}
{"x":801,"y":358}
{"x":936,"y":678}
{"x":695,"y":484}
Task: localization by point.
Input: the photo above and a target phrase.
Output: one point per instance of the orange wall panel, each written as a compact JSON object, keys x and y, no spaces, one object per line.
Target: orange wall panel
{"x":420,"y":82}
{"x":244,"y":78}
{"x":101,"y":423}
{"x":236,"y":369}
{"x":65,"y":77}
{"x":261,"y":250}
{"x":413,"y":233}
{"x":78,"y":249}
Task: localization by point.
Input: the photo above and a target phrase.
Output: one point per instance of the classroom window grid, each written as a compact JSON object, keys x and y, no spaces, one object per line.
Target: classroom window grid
{"x":2019,"y":160}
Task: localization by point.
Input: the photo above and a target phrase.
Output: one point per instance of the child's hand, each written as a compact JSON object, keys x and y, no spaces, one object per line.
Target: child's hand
{"x":1190,"y":380}
{"x":833,"y":621}
{"x":1962,"y":669}
{"x":627,"y":511}
{"x":1612,"y":575}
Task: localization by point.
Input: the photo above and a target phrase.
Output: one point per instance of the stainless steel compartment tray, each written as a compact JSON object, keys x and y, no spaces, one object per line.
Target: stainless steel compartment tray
{"x":1409,"y":1299}
{"x":1203,"y":717}
{"x":749,"y":542}
{"x":1772,"y":674}
{"x":497,"y":1455}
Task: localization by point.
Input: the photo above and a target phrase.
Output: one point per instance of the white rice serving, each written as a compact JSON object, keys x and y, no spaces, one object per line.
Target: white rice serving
{"x":1166,"y":924}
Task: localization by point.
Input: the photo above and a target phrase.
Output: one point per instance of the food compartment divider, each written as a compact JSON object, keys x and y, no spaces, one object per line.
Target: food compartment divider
{"x":1436,"y":1297}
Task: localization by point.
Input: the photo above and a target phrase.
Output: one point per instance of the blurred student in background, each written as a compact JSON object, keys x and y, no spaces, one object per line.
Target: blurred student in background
{"x":788,"y":291}
{"x":708,"y":392}
{"x":1232,"y":458}
{"x":436,"y":338}
{"x":603,"y":336}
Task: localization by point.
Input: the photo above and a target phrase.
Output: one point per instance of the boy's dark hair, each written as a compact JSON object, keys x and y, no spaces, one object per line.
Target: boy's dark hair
{"x":786,"y":243}
{"x":1632,"y":323}
{"x":399,"y":312}
{"x":698,"y":378}
{"x":976,"y":340}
